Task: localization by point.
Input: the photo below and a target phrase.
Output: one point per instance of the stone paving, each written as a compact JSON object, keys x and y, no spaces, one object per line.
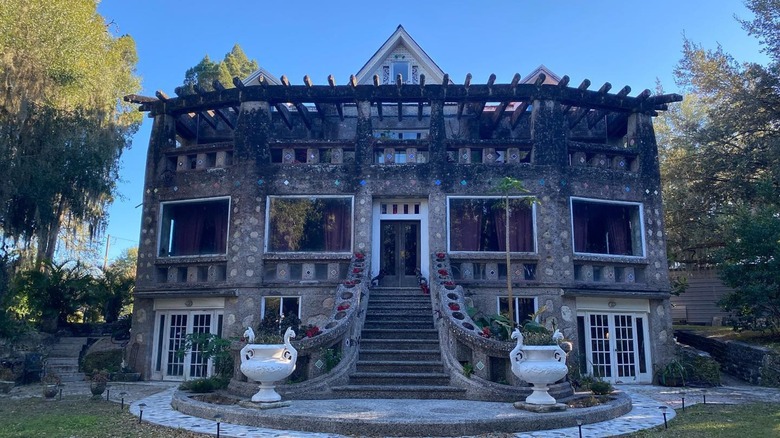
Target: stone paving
{"x":645,"y":413}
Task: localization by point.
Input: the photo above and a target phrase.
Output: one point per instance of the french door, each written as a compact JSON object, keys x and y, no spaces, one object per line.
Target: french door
{"x":615,"y":347}
{"x":172,"y":360}
{"x":399,"y":252}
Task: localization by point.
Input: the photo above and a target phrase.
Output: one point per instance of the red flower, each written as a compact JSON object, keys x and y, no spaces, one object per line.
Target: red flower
{"x":440,"y":255}
{"x":359,"y":255}
{"x":485,"y":332}
{"x":449,"y":283}
{"x":424,"y":288}
{"x":443,"y":272}
{"x":342,"y":307}
{"x":312,"y":331}
{"x":349,"y":283}
{"x":454,"y":306}
{"x":357,"y":270}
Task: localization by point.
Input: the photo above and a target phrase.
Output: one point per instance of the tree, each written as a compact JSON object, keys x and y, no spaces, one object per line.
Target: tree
{"x":112,"y":292}
{"x":203,"y":74}
{"x":63,"y":125}
{"x":52,"y":296}
{"x":720,"y":155}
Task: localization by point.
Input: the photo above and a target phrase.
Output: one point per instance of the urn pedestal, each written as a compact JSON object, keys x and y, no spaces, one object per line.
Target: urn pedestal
{"x":268,"y":364}
{"x":539,"y":365}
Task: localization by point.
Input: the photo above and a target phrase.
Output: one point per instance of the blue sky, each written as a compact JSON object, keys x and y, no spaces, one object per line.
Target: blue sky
{"x":623,"y":42}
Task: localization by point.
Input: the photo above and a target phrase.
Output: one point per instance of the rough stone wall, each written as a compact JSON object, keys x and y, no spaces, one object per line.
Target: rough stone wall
{"x":754,"y":364}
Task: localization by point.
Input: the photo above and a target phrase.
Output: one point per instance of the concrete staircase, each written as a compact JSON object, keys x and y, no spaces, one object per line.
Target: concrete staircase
{"x":399,"y":354}
{"x":63,"y":359}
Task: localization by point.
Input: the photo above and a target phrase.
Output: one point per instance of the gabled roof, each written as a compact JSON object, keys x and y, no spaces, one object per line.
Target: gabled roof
{"x":400,"y":37}
{"x":270,"y":79}
{"x":551,"y":78}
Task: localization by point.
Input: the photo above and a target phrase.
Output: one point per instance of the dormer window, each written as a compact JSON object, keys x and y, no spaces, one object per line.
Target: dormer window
{"x":400,"y":68}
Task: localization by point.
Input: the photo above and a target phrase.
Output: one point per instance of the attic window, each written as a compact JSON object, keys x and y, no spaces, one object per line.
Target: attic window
{"x":401,"y":68}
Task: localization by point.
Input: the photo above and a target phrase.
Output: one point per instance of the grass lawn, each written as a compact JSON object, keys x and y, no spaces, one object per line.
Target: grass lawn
{"x":721,"y":421}
{"x":75,"y":416}
{"x":764,"y":339}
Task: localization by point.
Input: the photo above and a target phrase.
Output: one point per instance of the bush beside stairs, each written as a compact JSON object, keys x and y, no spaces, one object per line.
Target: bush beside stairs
{"x":399,"y":354}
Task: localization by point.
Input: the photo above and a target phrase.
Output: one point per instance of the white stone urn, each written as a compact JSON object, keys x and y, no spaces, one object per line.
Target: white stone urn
{"x":268,"y":364}
{"x":539,"y":365}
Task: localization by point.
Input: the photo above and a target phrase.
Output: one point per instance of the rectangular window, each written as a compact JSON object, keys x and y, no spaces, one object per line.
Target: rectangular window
{"x":479,"y":224}
{"x":194,"y":228}
{"x":524,"y":308}
{"x":310,"y":224}
{"x":399,"y":68}
{"x":606,"y":227}
{"x":281,"y":306}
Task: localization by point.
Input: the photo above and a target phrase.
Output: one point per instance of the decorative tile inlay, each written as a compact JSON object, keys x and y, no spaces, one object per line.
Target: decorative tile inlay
{"x":319,"y":364}
{"x":259,"y":182}
{"x":362,"y":182}
{"x":437,"y":182}
{"x":480,"y":366}
{"x":287,"y":183}
{"x":463,"y":182}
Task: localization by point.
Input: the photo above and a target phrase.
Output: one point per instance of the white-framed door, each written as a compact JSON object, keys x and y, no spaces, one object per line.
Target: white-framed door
{"x":402,"y":224}
{"x":171,"y":330}
{"x":616,"y":346}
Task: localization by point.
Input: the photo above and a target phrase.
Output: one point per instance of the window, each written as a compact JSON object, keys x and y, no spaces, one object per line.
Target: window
{"x":479,"y":224}
{"x":606,"y":227}
{"x":309,"y":224}
{"x":194,"y":228}
{"x":281,"y":306}
{"x":399,"y":68}
{"x":523,"y":309}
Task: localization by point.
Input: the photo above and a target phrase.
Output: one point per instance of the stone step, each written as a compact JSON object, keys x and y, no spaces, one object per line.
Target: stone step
{"x":383,"y":323}
{"x":400,"y":333}
{"x":72,"y":377}
{"x":396,"y":298}
{"x":396,"y":354}
{"x":398,"y":344}
{"x":423,"y":392}
{"x":385,"y":312}
{"x":55,"y":361}
{"x":399,"y":378}
{"x":400,"y":366}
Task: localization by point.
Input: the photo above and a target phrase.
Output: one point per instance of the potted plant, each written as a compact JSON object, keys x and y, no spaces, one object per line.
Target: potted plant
{"x":268,"y":364}
{"x":539,"y":360}
{"x":98,"y":382}
{"x":51,"y":385}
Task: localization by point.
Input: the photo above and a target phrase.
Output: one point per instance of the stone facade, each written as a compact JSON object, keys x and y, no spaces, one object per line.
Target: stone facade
{"x":405,"y":154}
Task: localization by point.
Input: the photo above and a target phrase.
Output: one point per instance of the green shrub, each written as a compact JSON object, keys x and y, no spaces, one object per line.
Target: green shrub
{"x":601,"y":387}
{"x":110,"y":361}
{"x":203,"y":385}
{"x":689,"y":368}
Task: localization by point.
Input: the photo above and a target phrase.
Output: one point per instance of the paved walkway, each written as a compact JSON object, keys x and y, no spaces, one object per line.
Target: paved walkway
{"x":645,"y":413}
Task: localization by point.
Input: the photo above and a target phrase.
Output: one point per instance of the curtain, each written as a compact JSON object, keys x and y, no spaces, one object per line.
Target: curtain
{"x":618,"y":231}
{"x":337,"y":224}
{"x":187,"y":230}
{"x":466,"y":223}
{"x":520,"y":226}
{"x":580,"y":218}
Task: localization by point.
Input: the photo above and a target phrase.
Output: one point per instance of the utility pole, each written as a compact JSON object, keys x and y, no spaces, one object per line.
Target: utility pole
{"x":105,"y":257}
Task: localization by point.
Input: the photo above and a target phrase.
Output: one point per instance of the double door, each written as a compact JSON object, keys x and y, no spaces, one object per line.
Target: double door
{"x":173,"y":360}
{"x":615,"y":347}
{"x":399,"y":253}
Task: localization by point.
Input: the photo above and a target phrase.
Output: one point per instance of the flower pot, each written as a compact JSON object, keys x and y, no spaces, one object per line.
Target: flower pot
{"x":97,"y":388}
{"x":539,"y":365}
{"x":50,"y":391}
{"x":268,"y":364}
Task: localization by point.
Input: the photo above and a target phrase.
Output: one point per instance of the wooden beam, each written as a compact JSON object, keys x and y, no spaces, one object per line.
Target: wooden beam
{"x":285,"y":81}
{"x":331,"y":81}
{"x":498,"y":113}
{"x":307,"y":81}
{"x":400,"y":111}
{"x":352,"y":81}
{"x":379,"y":109}
{"x":224,"y":115}
{"x":582,"y":87}
{"x":445,"y":80}
{"x":422,"y":83}
{"x":577,"y":116}
{"x":161,"y":96}
{"x":304,"y":113}
{"x":477,"y":108}
{"x":339,"y":107}
{"x":238,"y":83}
{"x":218,"y":85}
{"x":466,"y":85}
{"x":284,"y":112}
{"x":320,"y":110}
{"x":137,"y":98}
{"x":540,"y":79}
{"x":185,"y":126}
{"x":490,"y":82}
{"x":376,"y":80}
{"x":519,"y":111}
{"x":399,"y":82}
{"x":419,"y":111}
{"x":564,"y":82}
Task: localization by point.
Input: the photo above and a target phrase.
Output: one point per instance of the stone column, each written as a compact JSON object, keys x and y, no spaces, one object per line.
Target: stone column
{"x":548,"y":134}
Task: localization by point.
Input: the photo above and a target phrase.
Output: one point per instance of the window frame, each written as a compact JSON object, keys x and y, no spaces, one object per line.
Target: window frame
{"x":160,"y":225}
{"x":394,"y":74}
{"x":640,"y":220}
{"x":533,"y":225}
{"x":268,"y":223}
{"x":281,"y":302}
{"x":517,"y":306}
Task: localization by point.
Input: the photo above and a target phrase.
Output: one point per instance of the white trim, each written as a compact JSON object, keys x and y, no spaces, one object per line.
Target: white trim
{"x":533,"y":219}
{"x":281,"y":298}
{"x":640,"y":377}
{"x":189,"y":303}
{"x":268,"y":222}
{"x":166,"y":314}
{"x":424,"y":232}
{"x":620,"y":305}
{"x":516,"y":298}
{"x":190,"y":201}
{"x":400,"y":37}
{"x":613,"y":202}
